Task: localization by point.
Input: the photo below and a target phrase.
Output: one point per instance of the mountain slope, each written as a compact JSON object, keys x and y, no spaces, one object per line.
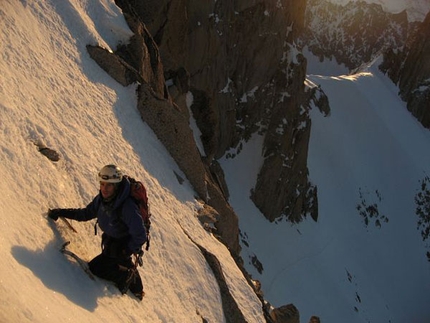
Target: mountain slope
{"x":364,"y":260}
{"x":367,"y":159}
{"x":52,"y":91}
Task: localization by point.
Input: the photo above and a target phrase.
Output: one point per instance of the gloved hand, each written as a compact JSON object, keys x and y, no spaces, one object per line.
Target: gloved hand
{"x":54,"y":214}
{"x":129,"y":253}
{"x":139,"y":255}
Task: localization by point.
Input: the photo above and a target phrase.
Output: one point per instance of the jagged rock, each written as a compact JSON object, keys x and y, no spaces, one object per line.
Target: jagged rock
{"x":350,"y":41}
{"x":419,"y":103}
{"x":409,"y":68}
{"x":257,"y":264}
{"x":392,"y":63}
{"x":178,"y":83}
{"x":116,"y":67}
{"x":257,"y":287}
{"x":282,"y":187}
{"x":142,"y":53}
{"x":172,"y":129}
{"x":414,"y":82}
{"x":285,"y":314}
{"x":314,"y":319}
{"x":47,"y":152}
{"x":228,"y":223}
{"x":208,"y":122}
{"x":218,"y":175}
{"x":321,"y":101}
{"x":208,"y":216}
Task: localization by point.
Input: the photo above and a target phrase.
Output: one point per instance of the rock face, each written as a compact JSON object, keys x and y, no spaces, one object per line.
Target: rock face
{"x":414,"y":82}
{"x":409,"y":68}
{"x":285,"y":314}
{"x":236,"y":59}
{"x":336,"y":31}
{"x":116,"y":67}
{"x":353,"y":33}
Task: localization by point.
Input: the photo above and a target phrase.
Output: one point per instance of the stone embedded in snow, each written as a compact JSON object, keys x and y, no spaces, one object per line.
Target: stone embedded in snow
{"x":47,"y":152}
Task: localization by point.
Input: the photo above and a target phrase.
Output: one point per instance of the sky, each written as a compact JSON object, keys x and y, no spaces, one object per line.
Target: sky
{"x":369,"y":150}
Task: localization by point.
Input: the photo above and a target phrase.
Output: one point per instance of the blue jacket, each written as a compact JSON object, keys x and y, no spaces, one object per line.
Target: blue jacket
{"x":118,"y":219}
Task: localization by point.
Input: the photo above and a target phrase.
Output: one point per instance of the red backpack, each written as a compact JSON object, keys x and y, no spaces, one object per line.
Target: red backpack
{"x":138,"y":193}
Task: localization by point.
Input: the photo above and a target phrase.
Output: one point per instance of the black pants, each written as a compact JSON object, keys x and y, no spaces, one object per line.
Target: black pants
{"x":113,"y":265}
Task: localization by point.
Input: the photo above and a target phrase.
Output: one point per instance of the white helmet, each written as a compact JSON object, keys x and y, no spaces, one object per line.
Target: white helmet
{"x":110,"y":174}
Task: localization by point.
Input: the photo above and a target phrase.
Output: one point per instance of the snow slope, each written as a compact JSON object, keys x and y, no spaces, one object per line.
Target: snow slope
{"x":51,"y":91}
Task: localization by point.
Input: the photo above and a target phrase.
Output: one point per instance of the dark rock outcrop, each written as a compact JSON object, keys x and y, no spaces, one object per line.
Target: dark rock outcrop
{"x":409,"y":68}
{"x":414,"y":82}
{"x":282,"y":187}
{"x":117,"y":68}
{"x":208,"y":216}
{"x":285,"y":314}
{"x":49,"y":153}
{"x":392,"y":63}
{"x":314,"y":319}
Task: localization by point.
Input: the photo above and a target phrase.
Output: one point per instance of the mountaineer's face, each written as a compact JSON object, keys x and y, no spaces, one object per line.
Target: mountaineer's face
{"x":107,"y":189}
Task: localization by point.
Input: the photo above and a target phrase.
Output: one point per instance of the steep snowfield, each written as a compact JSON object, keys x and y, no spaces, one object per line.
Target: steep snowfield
{"x":51,"y":91}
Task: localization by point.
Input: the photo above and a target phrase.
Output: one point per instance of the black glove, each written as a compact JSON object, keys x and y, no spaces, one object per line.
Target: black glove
{"x":127,"y":252}
{"x":54,"y":214}
{"x":139,"y":255}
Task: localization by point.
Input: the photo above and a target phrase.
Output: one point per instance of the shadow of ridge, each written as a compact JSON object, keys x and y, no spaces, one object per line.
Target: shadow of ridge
{"x":68,"y":279}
